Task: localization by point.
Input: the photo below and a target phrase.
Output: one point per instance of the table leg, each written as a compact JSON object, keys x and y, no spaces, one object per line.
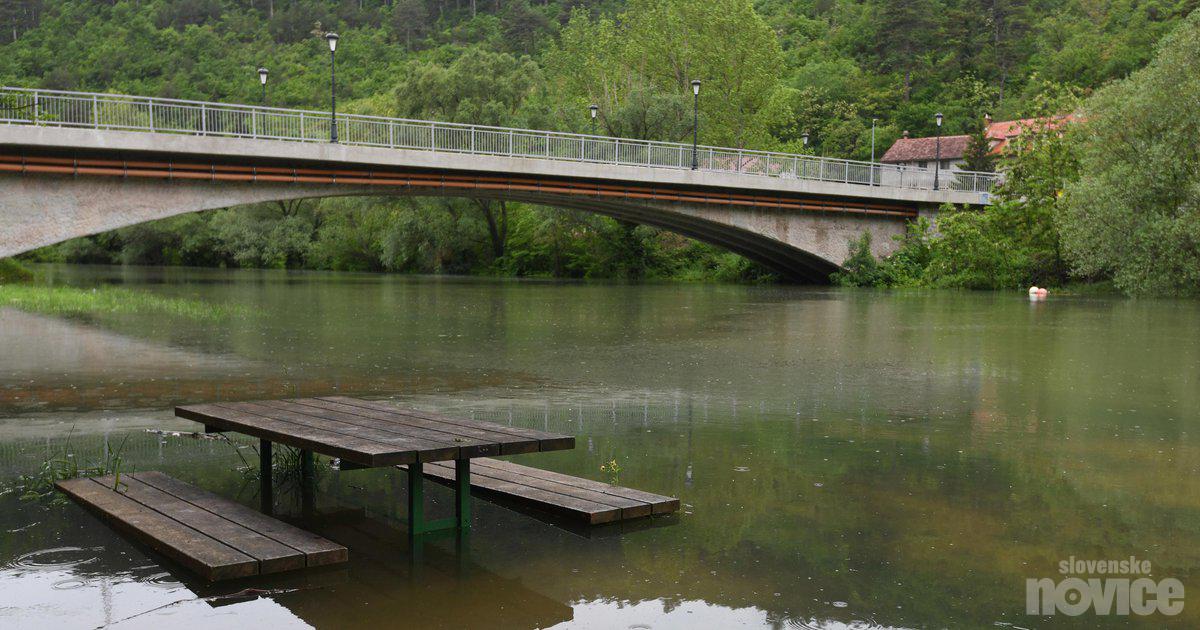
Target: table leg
{"x":462,"y":492}
{"x":416,"y":499}
{"x":266,"y":490}
{"x":307,"y":481}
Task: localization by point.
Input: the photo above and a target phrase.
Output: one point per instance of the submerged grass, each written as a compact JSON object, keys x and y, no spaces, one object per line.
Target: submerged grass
{"x":54,"y":300}
{"x":64,"y":464}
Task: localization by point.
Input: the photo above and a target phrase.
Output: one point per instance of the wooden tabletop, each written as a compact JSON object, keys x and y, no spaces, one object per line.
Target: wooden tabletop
{"x":371,"y":433}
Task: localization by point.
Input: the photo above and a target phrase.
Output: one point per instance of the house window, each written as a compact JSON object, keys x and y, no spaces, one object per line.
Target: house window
{"x":922,"y":164}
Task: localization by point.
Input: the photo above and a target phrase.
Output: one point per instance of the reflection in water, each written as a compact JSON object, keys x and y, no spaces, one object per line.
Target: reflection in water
{"x":845,"y":459}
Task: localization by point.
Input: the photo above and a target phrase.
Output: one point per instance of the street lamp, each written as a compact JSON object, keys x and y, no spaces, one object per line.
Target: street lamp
{"x":595,"y":110}
{"x":332,"y":38}
{"x":804,"y":137}
{"x":873,"y":121}
{"x":262,"y":78}
{"x":695,"y":124}
{"x":937,"y":167}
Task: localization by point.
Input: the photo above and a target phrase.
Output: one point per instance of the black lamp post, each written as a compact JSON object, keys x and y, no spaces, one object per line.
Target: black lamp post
{"x":804,"y":137}
{"x":595,"y":110}
{"x":262,"y":78}
{"x":937,"y":167}
{"x":695,"y":124}
{"x":332,"y":38}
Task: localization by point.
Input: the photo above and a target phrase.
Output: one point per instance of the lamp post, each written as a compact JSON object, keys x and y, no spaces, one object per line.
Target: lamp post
{"x":595,"y":109}
{"x":332,"y":38}
{"x":937,"y":167}
{"x":695,"y":124}
{"x":262,"y":78}
{"x":873,"y":121}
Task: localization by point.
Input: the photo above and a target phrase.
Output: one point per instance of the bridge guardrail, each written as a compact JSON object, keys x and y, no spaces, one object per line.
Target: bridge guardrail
{"x":160,"y":115}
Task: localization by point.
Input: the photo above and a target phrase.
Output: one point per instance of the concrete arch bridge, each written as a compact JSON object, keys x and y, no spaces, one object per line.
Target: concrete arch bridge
{"x":74,"y":164}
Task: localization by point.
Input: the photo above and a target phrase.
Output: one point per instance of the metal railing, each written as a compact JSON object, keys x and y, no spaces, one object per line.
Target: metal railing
{"x":160,"y":115}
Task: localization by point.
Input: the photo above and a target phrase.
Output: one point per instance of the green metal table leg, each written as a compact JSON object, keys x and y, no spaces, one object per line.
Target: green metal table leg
{"x":307,"y":481}
{"x":462,"y":493}
{"x":416,"y":499}
{"x":266,"y":485}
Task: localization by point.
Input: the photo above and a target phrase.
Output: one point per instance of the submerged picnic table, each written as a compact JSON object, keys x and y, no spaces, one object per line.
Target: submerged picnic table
{"x":368,"y":434}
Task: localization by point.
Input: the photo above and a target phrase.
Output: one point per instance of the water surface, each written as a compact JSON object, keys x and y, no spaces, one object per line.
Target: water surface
{"x":845,"y":458}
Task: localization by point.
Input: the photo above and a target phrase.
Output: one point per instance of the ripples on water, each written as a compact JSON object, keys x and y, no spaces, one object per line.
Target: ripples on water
{"x":845,"y":459}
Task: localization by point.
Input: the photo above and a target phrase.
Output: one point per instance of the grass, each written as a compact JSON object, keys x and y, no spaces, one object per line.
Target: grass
{"x":63,"y":464}
{"x":53,"y":300}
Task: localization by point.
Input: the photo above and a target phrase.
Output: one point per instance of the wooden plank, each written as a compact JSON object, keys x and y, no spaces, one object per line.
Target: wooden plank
{"x":546,"y":441}
{"x":507,"y":444}
{"x":317,"y":551}
{"x":589,"y":511}
{"x":629,"y":507}
{"x":356,"y":450}
{"x":660,"y":504}
{"x":420,"y":446}
{"x":195,"y":551}
{"x":271,"y":555}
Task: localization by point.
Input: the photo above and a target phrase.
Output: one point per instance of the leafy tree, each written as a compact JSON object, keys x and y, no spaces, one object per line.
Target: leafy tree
{"x":1134,"y":212}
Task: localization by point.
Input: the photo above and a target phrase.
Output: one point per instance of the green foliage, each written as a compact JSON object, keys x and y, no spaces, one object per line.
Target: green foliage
{"x":65,"y":464}
{"x":772,"y":70}
{"x":1135,"y":212}
{"x":12,"y":272}
{"x":860,"y":268}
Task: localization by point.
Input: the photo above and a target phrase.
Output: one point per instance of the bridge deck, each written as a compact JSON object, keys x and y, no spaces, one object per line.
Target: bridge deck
{"x":214,"y":537}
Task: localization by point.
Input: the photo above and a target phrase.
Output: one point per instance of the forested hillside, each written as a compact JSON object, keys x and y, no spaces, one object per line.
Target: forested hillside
{"x":772,"y":70}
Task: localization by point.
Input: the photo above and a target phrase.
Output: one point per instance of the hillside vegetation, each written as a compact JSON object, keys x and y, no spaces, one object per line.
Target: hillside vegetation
{"x":772,"y":71}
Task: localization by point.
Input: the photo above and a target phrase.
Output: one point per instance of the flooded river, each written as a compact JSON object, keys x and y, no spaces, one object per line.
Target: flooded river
{"x":845,"y":459}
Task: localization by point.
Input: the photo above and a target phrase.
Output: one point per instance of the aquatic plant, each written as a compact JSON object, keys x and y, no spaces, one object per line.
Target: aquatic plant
{"x":613,"y":469}
{"x":64,"y":464}
{"x":56,"y":300}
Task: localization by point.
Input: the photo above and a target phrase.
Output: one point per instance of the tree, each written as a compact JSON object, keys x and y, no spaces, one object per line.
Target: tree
{"x":1134,"y":213}
{"x":978,"y":155}
{"x":410,"y":21}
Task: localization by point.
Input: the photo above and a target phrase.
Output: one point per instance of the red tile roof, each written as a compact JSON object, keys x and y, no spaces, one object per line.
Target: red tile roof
{"x":1001,"y":133}
{"x":925,"y":149}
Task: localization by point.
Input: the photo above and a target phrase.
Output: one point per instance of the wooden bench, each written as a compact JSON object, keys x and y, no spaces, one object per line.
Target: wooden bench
{"x":209,"y":535}
{"x":592,"y":502}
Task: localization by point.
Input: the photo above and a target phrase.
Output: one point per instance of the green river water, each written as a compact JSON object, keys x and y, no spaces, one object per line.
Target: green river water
{"x":845,"y":459}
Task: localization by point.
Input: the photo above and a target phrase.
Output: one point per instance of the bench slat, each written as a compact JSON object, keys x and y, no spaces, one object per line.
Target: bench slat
{"x":214,"y":537}
{"x":590,"y":511}
{"x":199,"y":553}
{"x":591,"y":501}
{"x":317,"y":551}
{"x":660,"y":504}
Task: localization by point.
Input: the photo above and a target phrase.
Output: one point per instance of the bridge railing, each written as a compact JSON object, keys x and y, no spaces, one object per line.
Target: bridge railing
{"x":160,"y":115}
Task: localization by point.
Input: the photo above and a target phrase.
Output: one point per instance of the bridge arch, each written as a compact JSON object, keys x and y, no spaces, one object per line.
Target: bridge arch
{"x":44,"y":210}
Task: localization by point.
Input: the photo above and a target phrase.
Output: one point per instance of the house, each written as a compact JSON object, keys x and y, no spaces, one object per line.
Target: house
{"x":922,"y":152}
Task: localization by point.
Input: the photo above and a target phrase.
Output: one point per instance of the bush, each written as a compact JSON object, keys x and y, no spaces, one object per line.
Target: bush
{"x":12,"y":272}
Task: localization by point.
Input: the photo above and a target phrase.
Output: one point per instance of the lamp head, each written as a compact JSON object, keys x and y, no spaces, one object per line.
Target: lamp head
{"x":696,"y":87}
{"x":805,"y":138}
{"x":595,"y":109}
{"x":262,"y":75}
{"x":332,"y":38}
{"x":938,"y":117}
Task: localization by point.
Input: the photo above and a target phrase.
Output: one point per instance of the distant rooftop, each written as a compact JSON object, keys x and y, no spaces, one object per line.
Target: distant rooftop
{"x":925,"y":149}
